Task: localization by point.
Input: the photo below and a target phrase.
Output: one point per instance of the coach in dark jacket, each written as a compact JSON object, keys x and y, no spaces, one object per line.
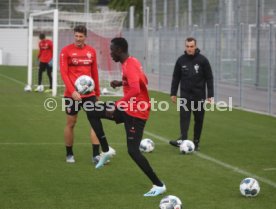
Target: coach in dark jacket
{"x":193,"y":71}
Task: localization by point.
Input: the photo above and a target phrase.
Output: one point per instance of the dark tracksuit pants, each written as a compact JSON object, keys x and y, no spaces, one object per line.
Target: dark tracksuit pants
{"x":197,"y":107}
{"x":134,"y":128}
{"x":42,"y":67}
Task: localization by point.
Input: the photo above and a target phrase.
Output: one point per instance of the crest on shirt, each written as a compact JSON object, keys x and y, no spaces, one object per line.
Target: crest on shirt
{"x":196,"y":68}
{"x":89,"y":55}
{"x":75,"y":61}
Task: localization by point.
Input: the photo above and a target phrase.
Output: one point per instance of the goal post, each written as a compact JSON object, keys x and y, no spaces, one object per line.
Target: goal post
{"x":54,"y":13}
{"x":58,"y":26}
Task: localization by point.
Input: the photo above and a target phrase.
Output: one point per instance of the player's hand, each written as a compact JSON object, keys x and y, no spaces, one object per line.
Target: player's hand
{"x":115,"y":84}
{"x":210,"y":100}
{"x":76,"y":96}
{"x":97,"y":98}
{"x":174,"y":99}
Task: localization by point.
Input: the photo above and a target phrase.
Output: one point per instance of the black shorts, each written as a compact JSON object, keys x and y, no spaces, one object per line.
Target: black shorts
{"x":134,"y":128}
{"x":72,"y":107}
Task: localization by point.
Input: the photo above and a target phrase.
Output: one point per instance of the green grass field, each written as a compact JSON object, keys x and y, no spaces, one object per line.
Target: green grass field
{"x":34,"y":175}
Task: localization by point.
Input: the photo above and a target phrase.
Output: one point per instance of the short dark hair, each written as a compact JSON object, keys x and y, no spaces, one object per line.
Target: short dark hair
{"x":42,"y":36}
{"x":120,"y":43}
{"x":81,"y":29}
{"x":189,"y":39}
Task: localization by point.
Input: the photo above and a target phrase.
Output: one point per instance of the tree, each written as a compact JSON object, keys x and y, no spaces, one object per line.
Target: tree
{"x":124,"y":5}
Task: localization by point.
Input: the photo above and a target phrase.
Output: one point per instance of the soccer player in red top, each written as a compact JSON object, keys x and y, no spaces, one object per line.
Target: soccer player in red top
{"x":134,"y":108}
{"x":75,"y":60}
{"x":45,"y":57}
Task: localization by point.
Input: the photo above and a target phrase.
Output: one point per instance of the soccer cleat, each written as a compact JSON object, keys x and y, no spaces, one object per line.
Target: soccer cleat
{"x":70,"y":159}
{"x":176,"y":143}
{"x":156,"y":190}
{"x":196,"y":142}
{"x":112,"y":152}
{"x":48,"y":91}
{"x":105,"y":156}
{"x":97,"y":158}
{"x":197,"y":148}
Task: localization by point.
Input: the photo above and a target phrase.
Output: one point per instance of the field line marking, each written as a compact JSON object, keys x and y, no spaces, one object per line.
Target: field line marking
{"x":160,"y":138}
{"x":219,"y":162}
{"x":12,"y":79}
{"x":50,"y":143}
{"x":269,"y":169}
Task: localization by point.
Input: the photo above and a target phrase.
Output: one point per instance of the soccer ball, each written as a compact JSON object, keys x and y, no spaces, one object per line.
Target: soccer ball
{"x":104,"y":91}
{"x":146,"y":145}
{"x":170,"y":202}
{"x":187,"y":146}
{"x":249,"y":187}
{"x":84,"y":84}
{"x":27,"y":88}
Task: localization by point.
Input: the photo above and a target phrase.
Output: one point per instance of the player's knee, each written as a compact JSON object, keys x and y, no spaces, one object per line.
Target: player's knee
{"x":71,"y":124}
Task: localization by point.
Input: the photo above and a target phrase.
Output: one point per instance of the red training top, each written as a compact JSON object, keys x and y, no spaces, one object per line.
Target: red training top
{"x":136,"y":99}
{"x":74,"y":62}
{"x":45,"y":50}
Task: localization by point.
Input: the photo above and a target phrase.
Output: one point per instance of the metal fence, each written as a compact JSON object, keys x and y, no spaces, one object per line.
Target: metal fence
{"x":237,"y":36}
{"x":242,"y":54}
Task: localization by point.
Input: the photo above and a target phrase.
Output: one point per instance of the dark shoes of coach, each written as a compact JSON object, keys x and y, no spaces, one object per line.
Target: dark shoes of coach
{"x":196,"y":142}
{"x":197,"y":148}
{"x":176,"y":143}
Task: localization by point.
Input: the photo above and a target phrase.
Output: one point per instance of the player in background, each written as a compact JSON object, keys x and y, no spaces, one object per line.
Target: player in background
{"x":75,"y":60}
{"x":133,"y":109}
{"x":45,"y":56}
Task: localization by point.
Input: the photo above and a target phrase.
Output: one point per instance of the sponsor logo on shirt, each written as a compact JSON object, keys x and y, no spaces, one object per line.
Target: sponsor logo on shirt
{"x":76,"y":61}
{"x":184,"y":67}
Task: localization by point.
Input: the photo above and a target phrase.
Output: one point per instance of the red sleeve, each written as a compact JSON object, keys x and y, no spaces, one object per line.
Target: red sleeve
{"x":95,"y":75}
{"x":63,"y":65}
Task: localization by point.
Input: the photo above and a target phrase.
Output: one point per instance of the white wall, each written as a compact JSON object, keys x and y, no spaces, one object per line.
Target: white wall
{"x":14,"y":46}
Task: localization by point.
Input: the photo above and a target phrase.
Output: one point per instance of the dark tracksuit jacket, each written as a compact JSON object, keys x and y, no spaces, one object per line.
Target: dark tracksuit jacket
{"x":194,"y":74}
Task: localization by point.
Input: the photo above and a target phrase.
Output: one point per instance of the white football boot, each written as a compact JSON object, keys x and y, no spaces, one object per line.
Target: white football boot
{"x":70,"y":159}
{"x":156,"y":190}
